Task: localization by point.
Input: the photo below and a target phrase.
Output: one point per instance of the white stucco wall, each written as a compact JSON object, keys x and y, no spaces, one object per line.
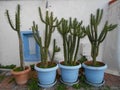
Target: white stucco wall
{"x":80,"y":9}
{"x":111,"y":51}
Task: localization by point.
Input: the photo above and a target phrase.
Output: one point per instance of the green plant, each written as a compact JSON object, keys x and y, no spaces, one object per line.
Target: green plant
{"x":50,"y":24}
{"x":32,"y":67}
{"x":16,"y":28}
{"x":61,"y":86}
{"x":33,"y":84}
{"x":8,"y":66}
{"x":82,"y":84}
{"x":71,"y":32}
{"x":82,"y":59}
{"x":94,"y":35}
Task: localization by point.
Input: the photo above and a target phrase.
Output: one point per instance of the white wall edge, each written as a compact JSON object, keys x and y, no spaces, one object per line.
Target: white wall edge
{"x":113,"y":72}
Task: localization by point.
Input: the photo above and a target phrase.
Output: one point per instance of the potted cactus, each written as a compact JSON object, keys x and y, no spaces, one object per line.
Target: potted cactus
{"x":20,"y":73}
{"x":94,"y":70}
{"x":71,"y":32}
{"x":47,"y":67}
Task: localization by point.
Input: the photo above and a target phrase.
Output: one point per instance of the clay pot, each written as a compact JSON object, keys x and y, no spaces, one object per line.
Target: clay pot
{"x":21,"y":77}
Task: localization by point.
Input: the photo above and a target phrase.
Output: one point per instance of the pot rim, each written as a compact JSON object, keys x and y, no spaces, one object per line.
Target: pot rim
{"x":93,"y":67}
{"x":69,"y":67}
{"x":21,"y":72}
{"x":45,"y":69}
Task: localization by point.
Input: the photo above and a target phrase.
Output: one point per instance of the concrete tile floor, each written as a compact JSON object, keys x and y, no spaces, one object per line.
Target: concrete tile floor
{"x":111,"y":81}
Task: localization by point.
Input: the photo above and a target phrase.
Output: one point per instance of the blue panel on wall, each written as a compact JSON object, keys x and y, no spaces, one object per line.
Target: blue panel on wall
{"x":31,"y":50}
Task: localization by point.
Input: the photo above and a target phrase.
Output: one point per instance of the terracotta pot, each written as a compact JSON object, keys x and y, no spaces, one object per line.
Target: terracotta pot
{"x":22,"y":76}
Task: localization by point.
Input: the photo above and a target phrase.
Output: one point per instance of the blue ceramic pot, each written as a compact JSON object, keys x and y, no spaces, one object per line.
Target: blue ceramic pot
{"x":69,"y":74}
{"x":46,"y":76}
{"x":94,"y":75}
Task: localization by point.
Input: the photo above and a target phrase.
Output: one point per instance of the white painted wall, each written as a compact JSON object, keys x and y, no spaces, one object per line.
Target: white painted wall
{"x":111,"y":51}
{"x":80,"y":9}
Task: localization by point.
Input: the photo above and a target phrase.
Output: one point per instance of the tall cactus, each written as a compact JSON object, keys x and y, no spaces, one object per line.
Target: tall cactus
{"x":50,"y":24}
{"x":71,"y":32}
{"x":16,"y":28}
{"x":93,"y":34}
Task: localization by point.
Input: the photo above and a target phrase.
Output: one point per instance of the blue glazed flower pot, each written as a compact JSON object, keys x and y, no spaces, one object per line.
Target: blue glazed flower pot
{"x":46,"y":76}
{"x":69,"y":74}
{"x":94,"y":75}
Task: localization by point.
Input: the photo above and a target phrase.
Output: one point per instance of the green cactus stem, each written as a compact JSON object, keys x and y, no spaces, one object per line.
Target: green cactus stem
{"x":64,"y":29}
{"x":55,"y":49}
{"x":71,"y":32}
{"x":95,"y":37}
{"x":16,"y":27}
{"x":50,"y":24}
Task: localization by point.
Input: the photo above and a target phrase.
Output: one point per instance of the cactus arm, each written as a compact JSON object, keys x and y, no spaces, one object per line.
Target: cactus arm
{"x":9,"y":20}
{"x":80,"y":34}
{"x":69,"y":49}
{"x":55,"y":49}
{"x":99,"y":16}
{"x":63,"y":29}
{"x":21,"y":51}
{"x":40,"y":14}
{"x":112,"y":27}
{"x":55,"y":19}
{"x":73,"y":32}
{"x":76,"y":50}
{"x":35,"y":34}
{"x":87,"y":31}
{"x":65,"y":49}
{"x":38,"y":39}
{"x":18,"y":19}
{"x":46,"y":35}
{"x":91,"y":26}
{"x":69,"y":43}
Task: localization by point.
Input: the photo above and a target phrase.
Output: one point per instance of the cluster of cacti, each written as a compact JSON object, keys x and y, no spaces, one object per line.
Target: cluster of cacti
{"x":16,"y":28}
{"x":50,"y":24}
{"x":71,"y":32}
{"x":96,"y":37}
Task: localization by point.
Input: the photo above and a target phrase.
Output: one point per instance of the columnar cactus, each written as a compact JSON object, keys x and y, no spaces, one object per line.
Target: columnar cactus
{"x":71,"y":32}
{"x":50,"y":24}
{"x":93,"y":34}
{"x":16,"y":27}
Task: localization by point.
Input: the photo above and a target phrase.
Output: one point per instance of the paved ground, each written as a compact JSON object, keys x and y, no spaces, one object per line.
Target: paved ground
{"x":112,"y":82}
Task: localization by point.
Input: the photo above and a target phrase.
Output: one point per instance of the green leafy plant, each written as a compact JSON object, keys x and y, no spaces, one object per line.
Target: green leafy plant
{"x":61,"y":86}
{"x":8,"y":66}
{"x":82,"y":59}
{"x":50,"y":24}
{"x":16,"y":27}
{"x":71,"y":32}
{"x":33,"y":84}
{"x":94,"y":35}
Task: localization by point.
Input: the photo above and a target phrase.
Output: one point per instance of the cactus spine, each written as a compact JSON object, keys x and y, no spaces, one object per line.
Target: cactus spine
{"x":50,"y":24}
{"x":16,"y":28}
{"x":92,"y":32}
{"x":71,"y":33}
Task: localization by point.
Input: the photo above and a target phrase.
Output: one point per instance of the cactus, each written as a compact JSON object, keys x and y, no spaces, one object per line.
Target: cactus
{"x":93,"y":34}
{"x":71,"y":32}
{"x":16,"y":28}
{"x":50,"y":24}
{"x":55,"y":49}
